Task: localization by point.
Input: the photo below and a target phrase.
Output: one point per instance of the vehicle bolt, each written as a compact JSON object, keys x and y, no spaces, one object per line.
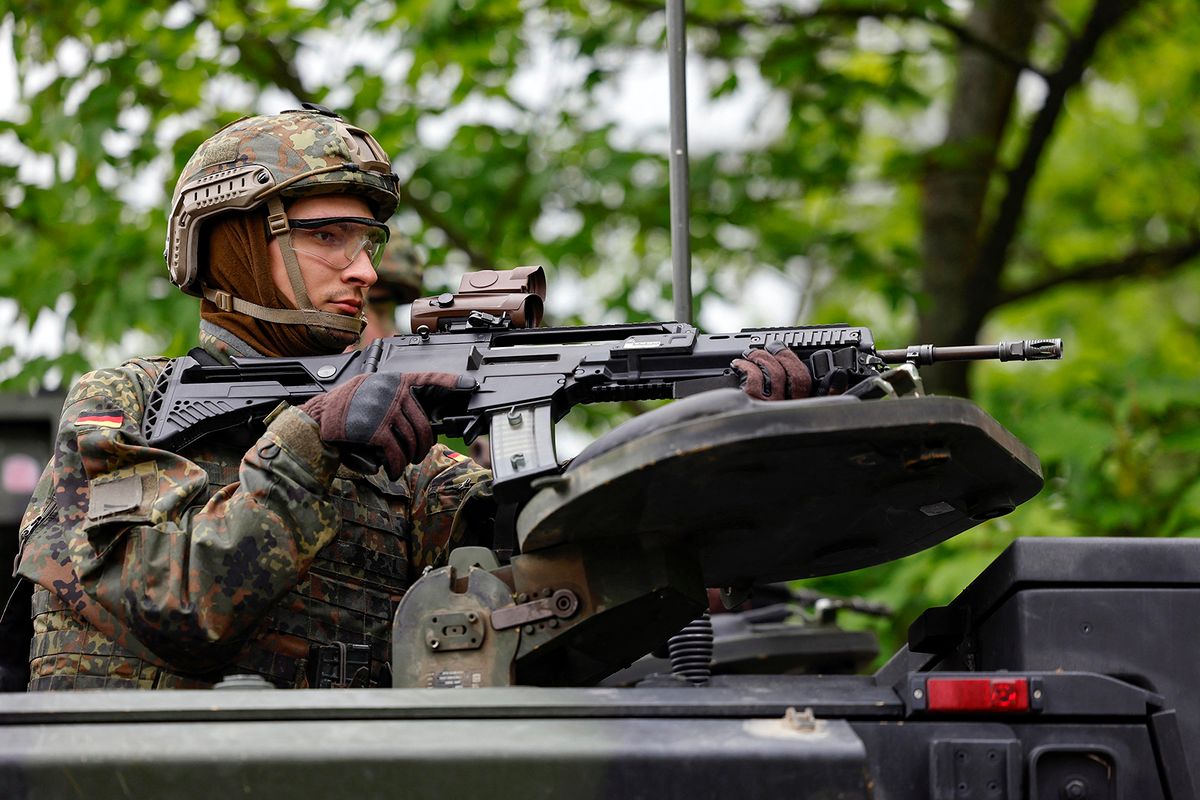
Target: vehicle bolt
{"x":472,"y":617}
{"x":522,"y":597}
{"x":529,"y":629}
{"x":554,"y":623}
{"x":918,"y":693}
{"x":434,"y":644}
{"x":1074,"y":789}
{"x":1037,"y":694}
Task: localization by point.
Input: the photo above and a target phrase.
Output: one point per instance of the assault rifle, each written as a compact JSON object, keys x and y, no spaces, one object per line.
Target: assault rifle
{"x":527,"y":377}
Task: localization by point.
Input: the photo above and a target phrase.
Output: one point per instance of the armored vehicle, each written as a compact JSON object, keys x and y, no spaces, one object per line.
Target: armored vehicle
{"x":1063,"y":671}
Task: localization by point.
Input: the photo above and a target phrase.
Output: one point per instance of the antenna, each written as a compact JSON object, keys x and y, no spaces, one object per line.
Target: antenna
{"x":681,"y":247}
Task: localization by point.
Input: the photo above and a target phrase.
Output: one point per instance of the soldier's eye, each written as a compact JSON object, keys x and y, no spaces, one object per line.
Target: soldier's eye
{"x":327,"y":237}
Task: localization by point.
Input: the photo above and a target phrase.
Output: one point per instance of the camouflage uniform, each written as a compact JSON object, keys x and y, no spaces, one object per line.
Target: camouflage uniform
{"x":162,"y":570}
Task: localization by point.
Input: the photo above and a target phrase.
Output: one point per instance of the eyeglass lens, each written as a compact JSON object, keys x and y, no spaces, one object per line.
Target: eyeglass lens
{"x":339,"y":243}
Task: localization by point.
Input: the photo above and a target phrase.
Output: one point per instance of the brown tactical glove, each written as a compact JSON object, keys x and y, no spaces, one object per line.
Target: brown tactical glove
{"x":775,"y":373}
{"x":379,"y":413}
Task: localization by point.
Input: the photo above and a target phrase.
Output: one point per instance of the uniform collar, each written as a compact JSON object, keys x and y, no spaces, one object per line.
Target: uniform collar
{"x":223,"y":345}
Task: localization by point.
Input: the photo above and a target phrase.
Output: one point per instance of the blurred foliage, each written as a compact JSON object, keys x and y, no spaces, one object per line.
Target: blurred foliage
{"x":1116,"y":425}
{"x":522,"y":134}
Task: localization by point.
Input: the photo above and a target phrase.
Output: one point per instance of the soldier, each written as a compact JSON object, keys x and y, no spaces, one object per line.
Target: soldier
{"x":155,"y":569}
{"x":159,"y":569}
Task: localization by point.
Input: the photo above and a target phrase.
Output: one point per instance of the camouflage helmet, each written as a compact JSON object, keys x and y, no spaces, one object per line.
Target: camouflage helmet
{"x":255,"y":159}
{"x":401,"y":273}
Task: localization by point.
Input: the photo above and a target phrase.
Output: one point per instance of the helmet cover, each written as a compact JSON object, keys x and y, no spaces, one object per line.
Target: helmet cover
{"x":248,"y":162}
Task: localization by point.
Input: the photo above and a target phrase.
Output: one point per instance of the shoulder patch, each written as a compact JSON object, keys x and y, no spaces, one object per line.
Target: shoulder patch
{"x":114,"y":496}
{"x":130,"y":491}
{"x":102,"y":419}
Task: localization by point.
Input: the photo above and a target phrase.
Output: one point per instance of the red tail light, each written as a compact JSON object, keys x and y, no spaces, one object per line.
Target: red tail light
{"x":977,"y":694}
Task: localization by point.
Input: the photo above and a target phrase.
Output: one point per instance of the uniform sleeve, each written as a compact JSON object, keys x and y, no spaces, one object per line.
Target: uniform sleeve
{"x":187,"y":580}
{"x":452,"y":502}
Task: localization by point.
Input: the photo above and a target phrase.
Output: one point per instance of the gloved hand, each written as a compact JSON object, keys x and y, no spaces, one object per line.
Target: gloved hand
{"x":775,"y":373}
{"x":380,"y":412}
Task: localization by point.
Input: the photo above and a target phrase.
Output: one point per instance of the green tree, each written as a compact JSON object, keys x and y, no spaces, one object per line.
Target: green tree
{"x":1015,"y":168}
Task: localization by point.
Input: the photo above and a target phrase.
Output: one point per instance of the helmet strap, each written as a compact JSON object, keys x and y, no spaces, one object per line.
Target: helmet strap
{"x":277,"y":223}
{"x":285,"y":316}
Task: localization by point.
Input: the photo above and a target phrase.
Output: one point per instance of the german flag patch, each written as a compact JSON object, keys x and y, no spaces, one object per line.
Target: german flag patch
{"x":103,"y":419}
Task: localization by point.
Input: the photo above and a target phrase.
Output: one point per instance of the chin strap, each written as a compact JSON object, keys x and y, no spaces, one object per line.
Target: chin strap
{"x":285,"y":316}
{"x":277,"y":224}
{"x":334,"y":330}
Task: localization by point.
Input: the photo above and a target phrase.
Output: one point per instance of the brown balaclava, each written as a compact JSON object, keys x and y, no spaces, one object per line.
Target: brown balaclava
{"x":239,"y":262}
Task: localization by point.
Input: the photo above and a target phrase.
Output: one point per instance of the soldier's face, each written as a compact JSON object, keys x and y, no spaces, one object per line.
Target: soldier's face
{"x":340,"y":291}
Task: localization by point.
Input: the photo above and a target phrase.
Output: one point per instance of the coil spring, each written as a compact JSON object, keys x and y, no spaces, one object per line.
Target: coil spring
{"x":691,"y":651}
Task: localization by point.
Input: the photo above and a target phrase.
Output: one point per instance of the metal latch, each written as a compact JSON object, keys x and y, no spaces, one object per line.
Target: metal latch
{"x":562,"y":604}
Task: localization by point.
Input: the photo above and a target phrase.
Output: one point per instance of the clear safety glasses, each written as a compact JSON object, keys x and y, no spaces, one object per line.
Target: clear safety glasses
{"x":338,"y":240}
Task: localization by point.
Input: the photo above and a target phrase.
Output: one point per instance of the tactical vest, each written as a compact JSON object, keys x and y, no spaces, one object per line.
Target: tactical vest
{"x":332,"y":629}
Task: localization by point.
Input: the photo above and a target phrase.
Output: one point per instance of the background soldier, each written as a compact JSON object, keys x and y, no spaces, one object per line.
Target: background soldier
{"x":400,"y":276}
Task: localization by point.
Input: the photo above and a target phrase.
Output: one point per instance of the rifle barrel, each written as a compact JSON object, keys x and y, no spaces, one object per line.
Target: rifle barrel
{"x":1024,"y":350}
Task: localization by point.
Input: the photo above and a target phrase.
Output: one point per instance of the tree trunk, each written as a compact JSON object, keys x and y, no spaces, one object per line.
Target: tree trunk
{"x":957,"y":293}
